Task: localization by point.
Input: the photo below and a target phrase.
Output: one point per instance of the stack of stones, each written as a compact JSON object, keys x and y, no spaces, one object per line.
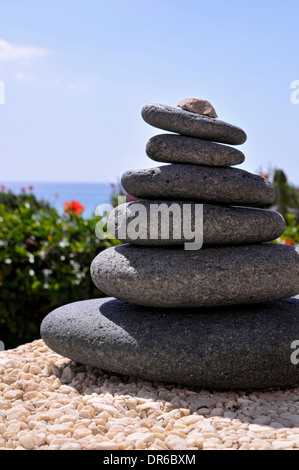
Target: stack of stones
{"x":211,"y":317}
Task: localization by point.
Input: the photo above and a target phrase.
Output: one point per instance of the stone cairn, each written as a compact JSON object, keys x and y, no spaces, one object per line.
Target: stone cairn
{"x":219,"y":317}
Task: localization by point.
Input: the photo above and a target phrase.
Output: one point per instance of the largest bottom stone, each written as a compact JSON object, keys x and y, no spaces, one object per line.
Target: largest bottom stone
{"x":242,"y":347}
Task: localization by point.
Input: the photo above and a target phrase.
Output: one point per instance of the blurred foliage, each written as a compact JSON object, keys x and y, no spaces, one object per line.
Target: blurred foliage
{"x":44,"y":263}
{"x":291,"y":235}
{"x":287,"y":195}
{"x":13,"y":201}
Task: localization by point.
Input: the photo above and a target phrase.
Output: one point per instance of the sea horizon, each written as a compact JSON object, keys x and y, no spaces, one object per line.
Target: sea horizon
{"x":89,"y":194}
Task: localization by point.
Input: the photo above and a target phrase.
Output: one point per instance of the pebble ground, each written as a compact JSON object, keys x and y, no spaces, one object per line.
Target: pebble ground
{"x":49,"y":402}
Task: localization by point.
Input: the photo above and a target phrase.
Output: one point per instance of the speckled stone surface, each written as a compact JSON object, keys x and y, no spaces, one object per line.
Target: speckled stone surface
{"x":199,"y":183}
{"x":191,"y":124}
{"x":172,"y":148}
{"x":221,"y":225}
{"x":241,"y":347}
{"x":174,"y":277}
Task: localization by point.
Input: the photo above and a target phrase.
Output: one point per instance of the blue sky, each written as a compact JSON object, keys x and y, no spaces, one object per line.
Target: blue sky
{"x":77,"y":74}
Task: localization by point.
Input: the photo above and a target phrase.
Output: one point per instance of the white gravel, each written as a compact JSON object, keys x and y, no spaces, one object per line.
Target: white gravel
{"x":48,"y":402}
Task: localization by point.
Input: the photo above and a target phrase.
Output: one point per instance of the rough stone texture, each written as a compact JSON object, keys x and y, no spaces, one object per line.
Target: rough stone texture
{"x":192,"y":124}
{"x":241,"y":347}
{"x":199,"y":183}
{"x":173,"y":277}
{"x":221,"y":225}
{"x":198,"y":106}
{"x":172,"y":148}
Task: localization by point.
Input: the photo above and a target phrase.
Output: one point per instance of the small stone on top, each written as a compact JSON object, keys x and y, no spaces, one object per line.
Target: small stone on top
{"x":198,"y":106}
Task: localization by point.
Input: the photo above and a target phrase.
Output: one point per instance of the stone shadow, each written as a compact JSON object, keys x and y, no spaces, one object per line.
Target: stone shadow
{"x":272,"y":408}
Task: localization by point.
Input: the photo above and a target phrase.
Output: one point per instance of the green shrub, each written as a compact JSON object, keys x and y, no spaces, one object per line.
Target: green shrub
{"x":44,"y":263}
{"x":13,"y":201}
{"x":286,"y":194}
{"x":291,"y":235}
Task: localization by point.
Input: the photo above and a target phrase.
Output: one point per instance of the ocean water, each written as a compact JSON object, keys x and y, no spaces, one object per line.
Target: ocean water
{"x":90,"y":195}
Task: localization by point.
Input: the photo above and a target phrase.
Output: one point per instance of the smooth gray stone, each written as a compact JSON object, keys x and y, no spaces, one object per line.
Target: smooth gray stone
{"x":244,"y":347}
{"x":192,"y":124}
{"x":221,"y":225}
{"x":199,"y":183}
{"x":171,"y":148}
{"x":174,"y":277}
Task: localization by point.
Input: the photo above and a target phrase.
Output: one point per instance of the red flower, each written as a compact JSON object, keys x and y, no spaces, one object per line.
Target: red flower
{"x":113,"y":186}
{"x":30,"y":187}
{"x":289,"y":243}
{"x":265,"y":175}
{"x":23,"y":189}
{"x":3,"y":187}
{"x":73,"y":207}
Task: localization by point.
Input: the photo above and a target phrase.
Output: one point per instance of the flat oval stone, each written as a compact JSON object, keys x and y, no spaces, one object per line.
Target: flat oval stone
{"x":237,"y":347}
{"x":192,"y":124}
{"x":221,"y":225}
{"x":199,"y":183}
{"x":173,"y":277}
{"x":172,"y":148}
